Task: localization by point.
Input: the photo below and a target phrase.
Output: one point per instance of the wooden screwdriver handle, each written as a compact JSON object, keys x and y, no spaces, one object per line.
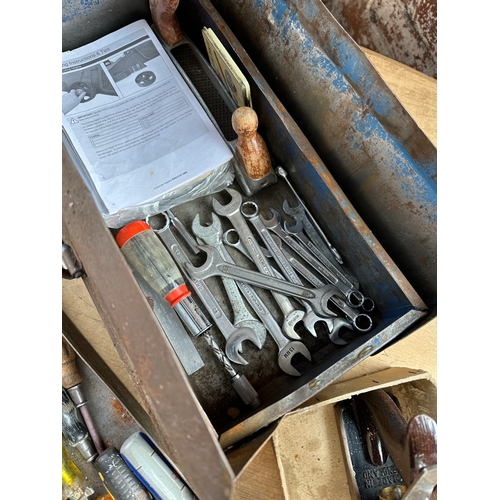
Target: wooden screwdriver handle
{"x":165,"y":20}
{"x":251,"y":150}
{"x":70,"y":374}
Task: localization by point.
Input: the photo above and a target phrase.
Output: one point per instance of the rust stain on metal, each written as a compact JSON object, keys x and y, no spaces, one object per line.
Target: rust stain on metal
{"x":123,"y":417}
{"x":404,"y":30}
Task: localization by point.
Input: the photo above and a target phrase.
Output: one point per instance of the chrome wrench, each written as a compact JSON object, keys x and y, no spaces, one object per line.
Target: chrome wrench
{"x":282,"y":172}
{"x":286,"y":348}
{"x":212,"y":235}
{"x":215,"y":265}
{"x":297,"y":230}
{"x":334,"y":324}
{"x":354,"y":297}
{"x":234,"y":336}
{"x":299,"y":213}
{"x":250,"y":210}
{"x":361,"y":321}
{"x":292,"y":316}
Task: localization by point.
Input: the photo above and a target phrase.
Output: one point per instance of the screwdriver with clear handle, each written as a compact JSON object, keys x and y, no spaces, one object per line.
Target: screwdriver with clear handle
{"x":147,"y":254}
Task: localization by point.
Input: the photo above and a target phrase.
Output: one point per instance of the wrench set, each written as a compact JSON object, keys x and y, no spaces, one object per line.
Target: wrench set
{"x":277,"y":278}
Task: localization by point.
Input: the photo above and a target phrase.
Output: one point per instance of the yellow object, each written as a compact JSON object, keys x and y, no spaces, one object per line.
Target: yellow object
{"x":73,"y":480}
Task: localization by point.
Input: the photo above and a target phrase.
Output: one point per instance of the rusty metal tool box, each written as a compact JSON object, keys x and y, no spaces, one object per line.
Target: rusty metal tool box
{"x":197,"y":420}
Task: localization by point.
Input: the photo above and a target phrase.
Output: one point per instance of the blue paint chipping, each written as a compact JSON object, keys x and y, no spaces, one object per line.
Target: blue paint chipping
{"x":73,"y":9}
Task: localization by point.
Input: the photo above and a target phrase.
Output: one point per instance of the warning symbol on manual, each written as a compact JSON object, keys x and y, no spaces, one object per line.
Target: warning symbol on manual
{"x":73,"y":120}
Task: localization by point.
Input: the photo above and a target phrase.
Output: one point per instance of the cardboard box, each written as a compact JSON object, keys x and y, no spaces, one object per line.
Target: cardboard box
{"x":308,"y":440}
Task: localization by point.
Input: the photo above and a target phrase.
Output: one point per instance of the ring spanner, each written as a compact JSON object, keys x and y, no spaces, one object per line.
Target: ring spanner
{"x":234,"y":336}
{"x":215,"y":265}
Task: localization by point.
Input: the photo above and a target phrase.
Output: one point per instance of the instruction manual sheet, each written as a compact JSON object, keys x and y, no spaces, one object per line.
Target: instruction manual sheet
{"x":138,"y":129}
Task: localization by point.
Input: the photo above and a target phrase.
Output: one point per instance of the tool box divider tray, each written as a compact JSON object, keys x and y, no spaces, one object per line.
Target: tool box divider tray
{"x":198,"y":420}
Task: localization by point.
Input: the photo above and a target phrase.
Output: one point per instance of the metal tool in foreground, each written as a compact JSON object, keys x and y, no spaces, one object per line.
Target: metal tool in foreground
{"x":297,"y":231}
{"x":212,"y":235}
{"x":299,"y":214}
{"x":333,"y":324}
{"x":353,"y":296}
{"x":234,"y":336}
{"x":292,"y":316}
{"x":250,"y":210}
{"x":361,"y":321}
{"x":368,"y":464}
{"x":283,"y":173}
{"x":412,"y":445}
{"x":150,"y":258}
{"x":287,"y":348}
{"x":74,"y":429}
{"x":72,"y":382}
{"x":216,"y":266}
{"x":153,"y":469}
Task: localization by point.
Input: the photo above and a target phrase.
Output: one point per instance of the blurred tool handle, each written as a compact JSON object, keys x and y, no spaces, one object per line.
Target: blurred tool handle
{"x":118,"y":478}
{"x":412,"y":446}
{"x":165,"y":20}
{"x":71,"y":376}
{"x":250,"y":147}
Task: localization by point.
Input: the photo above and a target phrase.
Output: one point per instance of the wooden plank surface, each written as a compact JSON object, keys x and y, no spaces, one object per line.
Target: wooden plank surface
{"x":261,"y":480}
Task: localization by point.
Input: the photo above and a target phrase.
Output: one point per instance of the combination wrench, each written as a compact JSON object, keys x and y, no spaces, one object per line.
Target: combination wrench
{"x":286,"y":348}
{"x":215,"y":265}
{"x":354,"y":297}
{"x":297,"y":231}
{"x":212,"y":235}
{"x":299,"y":213}
{"x":316,"y":230}
{"x":334,"y":324}
{"x":250,"y":210}
{"x":292,"y":316}
{"x":361,"y":321}
{"x":234,"y":336}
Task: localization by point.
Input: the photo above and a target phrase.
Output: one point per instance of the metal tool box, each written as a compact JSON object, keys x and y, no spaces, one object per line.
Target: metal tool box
{"x":199,"y":423}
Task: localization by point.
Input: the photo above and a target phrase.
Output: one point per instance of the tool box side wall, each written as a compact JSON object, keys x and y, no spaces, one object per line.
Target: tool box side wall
{"x":183,"y":432}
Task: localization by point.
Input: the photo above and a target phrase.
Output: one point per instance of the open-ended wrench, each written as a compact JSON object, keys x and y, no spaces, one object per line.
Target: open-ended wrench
{"x":215,"y":265}
{"x":250,"y":210}
{"x":283,"y":173}
{"x":299,"y":213}
{"x":212,"y":235}
{"x":292,"y":316}
{"x":361,"y":321}
{"x":333,"y":324}
{"x":234,"y":336}
{"x":286,"y":348}
{"x":354,"y":297}
{"x":297,"y":230}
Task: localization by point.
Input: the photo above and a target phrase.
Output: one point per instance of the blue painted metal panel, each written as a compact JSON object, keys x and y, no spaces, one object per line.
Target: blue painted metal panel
{"x":383,"y":162}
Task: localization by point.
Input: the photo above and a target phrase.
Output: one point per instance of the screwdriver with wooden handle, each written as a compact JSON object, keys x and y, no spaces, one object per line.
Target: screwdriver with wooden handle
{"x":72,"y":382}
{"x":116,"y":476}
